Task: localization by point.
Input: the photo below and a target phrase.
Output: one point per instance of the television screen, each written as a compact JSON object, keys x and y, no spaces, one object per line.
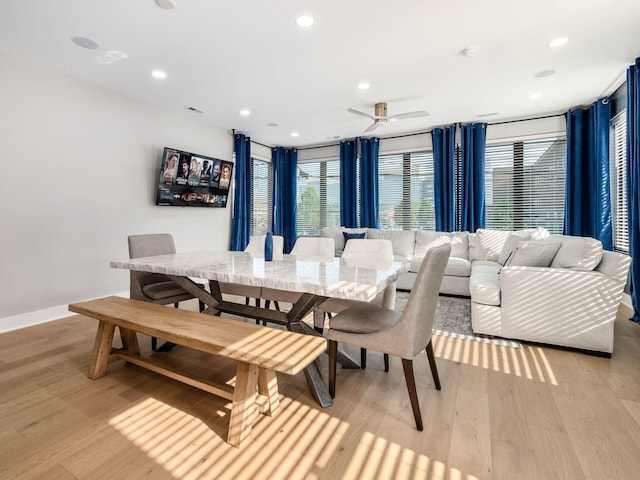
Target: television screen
{"x":191,"y":180}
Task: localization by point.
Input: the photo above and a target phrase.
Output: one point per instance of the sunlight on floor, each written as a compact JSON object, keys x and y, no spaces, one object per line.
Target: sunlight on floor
{"x":528,"y":362}
{"x":298,"y":442}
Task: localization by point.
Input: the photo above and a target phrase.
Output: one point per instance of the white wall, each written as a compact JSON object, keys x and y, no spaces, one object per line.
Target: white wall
{"x":79,"y":169}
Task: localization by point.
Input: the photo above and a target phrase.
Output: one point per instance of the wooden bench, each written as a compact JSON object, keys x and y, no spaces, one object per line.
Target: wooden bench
{"x":259,"y":351}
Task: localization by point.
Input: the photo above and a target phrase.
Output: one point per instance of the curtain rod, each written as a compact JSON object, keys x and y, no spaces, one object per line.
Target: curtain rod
{"x":423,"y":133}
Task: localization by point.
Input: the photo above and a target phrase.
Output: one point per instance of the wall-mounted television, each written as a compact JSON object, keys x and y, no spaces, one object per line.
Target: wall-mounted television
{"x":192,"y":180}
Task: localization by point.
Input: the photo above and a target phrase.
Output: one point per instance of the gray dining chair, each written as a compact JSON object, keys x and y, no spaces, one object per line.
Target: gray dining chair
{"x":362,"y":250}
{"x":403,"y":334}
{"x":155,"y":287}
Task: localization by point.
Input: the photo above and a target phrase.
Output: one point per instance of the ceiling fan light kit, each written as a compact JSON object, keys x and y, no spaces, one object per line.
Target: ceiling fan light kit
{"x":380,"y":116}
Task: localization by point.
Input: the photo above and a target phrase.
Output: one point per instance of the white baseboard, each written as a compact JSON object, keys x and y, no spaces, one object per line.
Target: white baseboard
{"x":29,"y":319}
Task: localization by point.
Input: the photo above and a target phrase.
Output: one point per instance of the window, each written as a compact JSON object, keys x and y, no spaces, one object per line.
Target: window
{"x":318,"y":196}
{"x":261,"y":190}
{"x":525,"y":184}
{"x":619,"y":182}
{"x":405,"y":191}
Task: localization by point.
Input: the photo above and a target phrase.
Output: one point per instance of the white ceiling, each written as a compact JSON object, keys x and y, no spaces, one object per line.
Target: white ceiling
{"x":223,"y":56}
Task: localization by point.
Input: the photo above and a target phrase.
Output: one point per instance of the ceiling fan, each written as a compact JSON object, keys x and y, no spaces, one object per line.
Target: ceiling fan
{"x":380,"y":116}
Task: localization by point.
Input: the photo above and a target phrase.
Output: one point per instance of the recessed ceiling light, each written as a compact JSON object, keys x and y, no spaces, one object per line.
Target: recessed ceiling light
{"x":558,"y":42}
{"x":272,"y":124}
{"x":363,"y":86}
{"x":492,"y":114}
{"x":166,"y":4}
{"x":544,"y":73}
{"x":159,"y":74}
{"x":304,"y":21}
{"x":245,"y":112}
{"x":535,"y":96}
{"x":85,"y":42}
{"x":295,"y":134}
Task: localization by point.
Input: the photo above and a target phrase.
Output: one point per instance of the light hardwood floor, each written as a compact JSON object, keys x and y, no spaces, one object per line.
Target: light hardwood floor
{"x":502,"y":413}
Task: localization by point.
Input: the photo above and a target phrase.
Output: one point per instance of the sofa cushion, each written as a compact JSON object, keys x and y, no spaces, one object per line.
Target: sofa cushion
{"x":423,"y":239}
{"x":485,"y":288}
{"x":487,"y":244}
{"x":459,"y":242}
{"x":533,"y":253}
{"x":403,"y":241}
{"x":578,"y":253}
{"x":456,"y":266}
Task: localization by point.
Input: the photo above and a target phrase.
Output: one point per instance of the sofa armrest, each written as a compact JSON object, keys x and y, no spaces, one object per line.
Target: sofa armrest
{"x":560,"y":306}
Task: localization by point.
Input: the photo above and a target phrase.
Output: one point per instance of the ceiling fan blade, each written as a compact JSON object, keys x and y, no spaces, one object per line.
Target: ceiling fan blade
{"x":417,"y":114}
{"x":372,"y":127}
{"x":363,"y":114}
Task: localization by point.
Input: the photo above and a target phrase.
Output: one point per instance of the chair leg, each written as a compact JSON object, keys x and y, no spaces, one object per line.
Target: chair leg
{"x":363,"y":358}
{"x":275,"y":303}
{"x":407,"y":365}
{"x":333,"y":360}
{"x":154,"y":343}
{"x":201,"y":305}
{"x":432,"y":364}
{"x":386,"y":362}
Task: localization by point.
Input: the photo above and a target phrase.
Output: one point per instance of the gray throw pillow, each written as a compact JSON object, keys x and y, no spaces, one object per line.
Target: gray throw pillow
{"x":533,"y":254}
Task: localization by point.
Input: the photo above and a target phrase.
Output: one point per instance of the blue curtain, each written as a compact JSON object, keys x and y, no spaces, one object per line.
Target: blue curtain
{"x":369,"y":148}
{"x":444,"y":152}
{"x":348,"y":184}
{"x":285,"y":164}
{"x":474,"y":141}
{"x":633,"y":182}
{"x":587,"y":209}
{"x":241,"y":222}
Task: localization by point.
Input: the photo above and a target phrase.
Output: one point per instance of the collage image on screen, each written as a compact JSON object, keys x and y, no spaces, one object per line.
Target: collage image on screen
{"x":192,"y":180}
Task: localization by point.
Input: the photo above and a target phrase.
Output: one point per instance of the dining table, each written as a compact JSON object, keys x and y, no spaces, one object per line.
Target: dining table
{"x":314,"y":279}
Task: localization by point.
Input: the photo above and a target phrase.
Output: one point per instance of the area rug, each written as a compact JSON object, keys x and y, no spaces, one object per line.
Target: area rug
{"x":453,"y":319}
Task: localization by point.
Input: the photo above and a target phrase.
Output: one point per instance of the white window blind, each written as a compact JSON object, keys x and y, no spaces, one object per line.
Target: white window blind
{"x":261,"y":191}
{"x":405,"y":191}
{"x":318,"y":196}
{"x":525,"y":185}
{"x":619,"y":183}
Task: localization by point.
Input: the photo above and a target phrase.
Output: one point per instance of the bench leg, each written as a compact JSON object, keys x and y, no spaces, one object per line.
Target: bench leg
{"x":101,"y":350}
{"x":268,"y":386}
{"x":129,"y":341}
{"x":243,"y":409}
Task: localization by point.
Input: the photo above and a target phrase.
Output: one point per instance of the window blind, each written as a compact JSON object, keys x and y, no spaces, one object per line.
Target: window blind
{"x":525,"y":185}
{"x":318,"y":196}
{"x":618,"y":167}
{"x":261,"y":191}
{"x":405,"y":191}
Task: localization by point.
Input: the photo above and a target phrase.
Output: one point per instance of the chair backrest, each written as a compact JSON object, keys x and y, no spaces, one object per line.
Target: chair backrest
{"x":146,"y":246}
{"x":256,"y":245}
{"x":151,"y":244}
{"x":421,"y":305}
{"x":368,"y":248}
{"x":316,"y":248}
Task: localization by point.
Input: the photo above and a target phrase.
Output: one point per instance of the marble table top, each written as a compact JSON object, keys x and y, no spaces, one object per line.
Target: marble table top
{"x":337,"y":278}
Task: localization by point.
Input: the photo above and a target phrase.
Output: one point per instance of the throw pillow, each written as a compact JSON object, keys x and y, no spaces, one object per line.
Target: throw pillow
{"x":510,"y":244}
{"x":348,"y":236}
{"x":533,"y":254}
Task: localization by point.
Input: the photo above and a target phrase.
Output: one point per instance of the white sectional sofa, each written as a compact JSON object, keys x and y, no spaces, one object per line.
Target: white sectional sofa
{"x":526,"y":285}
